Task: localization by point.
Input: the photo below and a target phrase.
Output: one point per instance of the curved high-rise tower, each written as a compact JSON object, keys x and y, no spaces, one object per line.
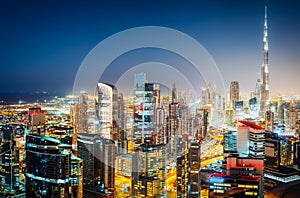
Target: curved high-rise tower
{"x":264,"y":97}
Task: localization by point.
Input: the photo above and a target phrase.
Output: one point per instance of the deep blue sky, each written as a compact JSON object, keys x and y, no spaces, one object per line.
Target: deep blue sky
{"x":44,"y":42}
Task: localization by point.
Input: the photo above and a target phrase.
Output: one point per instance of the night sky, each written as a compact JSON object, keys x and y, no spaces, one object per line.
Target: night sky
{"x":44,"y":42}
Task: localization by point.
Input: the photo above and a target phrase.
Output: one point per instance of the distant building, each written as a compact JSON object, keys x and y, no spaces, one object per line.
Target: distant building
{"x":253,"y":108}
{"x":292,"y":116}
{"x":229,"y":145}
{"x":269,"y":121}
{"x":160,"y":126}
{"x":229,"y":114}
{"x":281,"y":113}
{"x":239,"y":109}
{"x":234,"y":93}
{"x":183,"y":112}
{"x":36,"y":120}
{"x":201,"y":122}
{"x":257,"y":93}
{"x":205,"y":96}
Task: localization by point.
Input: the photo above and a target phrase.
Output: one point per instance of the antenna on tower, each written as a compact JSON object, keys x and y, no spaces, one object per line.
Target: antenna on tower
{"x":266,"y":10}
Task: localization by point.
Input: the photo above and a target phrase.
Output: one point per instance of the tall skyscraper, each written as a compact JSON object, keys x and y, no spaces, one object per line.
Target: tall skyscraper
{"x":183,"y":112}
{"x":292,"y":116}
{"x":138,"y":111}
{"x":160,"y":126}
{"x":194,"y":169}
{"x":98,"y":156}
{"x":122,"y":135}
{"x":264,"y":98}
{"x":79,"y":116}
{"x":105,"y":109}
{"x":9,"y":161}
{"x":281,"y":113}
{"x":172,"y":126}
{"x":234,"y":93}
{"x":201,"y":122}
{"x":111,"y":114}
{"x":145,"y":101}
{"x":182,"y":167}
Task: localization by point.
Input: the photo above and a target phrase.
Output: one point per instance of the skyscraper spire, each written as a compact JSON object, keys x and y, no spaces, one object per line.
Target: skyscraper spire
{"x":265,"y":68}
{"x":265,"y":40}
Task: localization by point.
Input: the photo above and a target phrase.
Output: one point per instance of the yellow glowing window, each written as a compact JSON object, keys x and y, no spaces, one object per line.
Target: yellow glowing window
{"x":248,"y":193}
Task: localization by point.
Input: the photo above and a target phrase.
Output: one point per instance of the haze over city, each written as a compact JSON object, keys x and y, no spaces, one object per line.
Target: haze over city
{"x":44,"y":43}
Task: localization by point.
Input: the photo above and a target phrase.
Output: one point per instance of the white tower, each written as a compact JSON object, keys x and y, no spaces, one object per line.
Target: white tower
{"x":264,"y":98}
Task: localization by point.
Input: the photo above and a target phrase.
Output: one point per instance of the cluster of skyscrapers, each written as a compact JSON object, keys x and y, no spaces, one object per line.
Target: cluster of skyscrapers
{"x":144,"y":134}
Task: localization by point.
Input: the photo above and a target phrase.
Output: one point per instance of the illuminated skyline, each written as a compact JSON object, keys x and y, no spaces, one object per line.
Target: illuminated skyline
{"x":43,"y":39}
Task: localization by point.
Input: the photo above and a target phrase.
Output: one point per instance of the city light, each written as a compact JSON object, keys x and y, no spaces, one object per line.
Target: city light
{"x":151,"y":114}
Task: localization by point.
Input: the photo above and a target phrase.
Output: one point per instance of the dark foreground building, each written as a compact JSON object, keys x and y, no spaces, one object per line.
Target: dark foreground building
{"x":51,"y":169}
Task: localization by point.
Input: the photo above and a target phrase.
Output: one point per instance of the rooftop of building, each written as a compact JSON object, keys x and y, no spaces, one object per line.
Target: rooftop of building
{"x":282,"y":171}
{"x":250,"y":124}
